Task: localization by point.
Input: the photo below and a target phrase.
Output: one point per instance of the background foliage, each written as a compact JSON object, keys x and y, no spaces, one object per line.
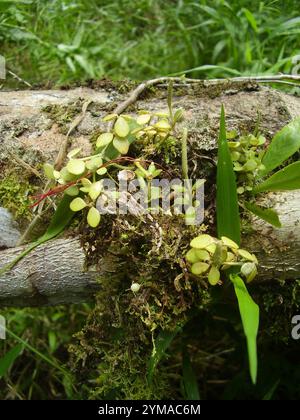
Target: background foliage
{"x":72,"y":40}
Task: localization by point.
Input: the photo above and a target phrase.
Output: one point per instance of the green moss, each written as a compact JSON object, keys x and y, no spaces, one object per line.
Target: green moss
{"x":279,"y":301}
{"x":117,"y":341}
{"x":63,"y":115}
{"x":15,"y":196}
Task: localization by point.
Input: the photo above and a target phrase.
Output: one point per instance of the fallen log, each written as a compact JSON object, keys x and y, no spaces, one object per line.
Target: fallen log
{"x":33,"y":124}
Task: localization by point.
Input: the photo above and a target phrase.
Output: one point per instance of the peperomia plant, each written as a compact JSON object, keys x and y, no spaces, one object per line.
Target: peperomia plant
{"x":210,"y":256}
{"x":81,"y":179}
{"x":252,"y":163}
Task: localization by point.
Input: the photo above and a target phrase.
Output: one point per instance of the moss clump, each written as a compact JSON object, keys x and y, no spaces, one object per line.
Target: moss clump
{"x":117,"y":341}
{"x":63,"y":115}
{"x":15,"y":196}
{"x":280,"y":302}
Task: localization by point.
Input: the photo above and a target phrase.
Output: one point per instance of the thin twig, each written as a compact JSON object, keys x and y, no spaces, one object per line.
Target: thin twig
{"x":25,"y":165}
{"x":134,"y":95}
{"x":15,"y":76}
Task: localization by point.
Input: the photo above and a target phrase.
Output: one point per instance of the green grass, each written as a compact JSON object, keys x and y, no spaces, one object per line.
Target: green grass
{"x":40,"y":372}
{"x":76,"y":40}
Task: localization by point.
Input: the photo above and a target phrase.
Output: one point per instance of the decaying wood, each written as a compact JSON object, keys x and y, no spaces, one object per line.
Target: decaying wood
{"x":55,"y":272}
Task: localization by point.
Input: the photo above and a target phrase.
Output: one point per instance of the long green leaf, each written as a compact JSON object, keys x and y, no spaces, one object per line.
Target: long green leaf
{"x":268,"y":215}
{"x":189,"y":378}
{"x":228,"y":218}
{"x":38,"y":353}
{"x":61,"y":218}
{"x":161,"y":344}
{"x":284,"y":144}
{"x":249,"y":311}
{"x":269,"y":395}
{"x":251,"y":19}
{"x":8,"y":359}
{"x":286,"y":179}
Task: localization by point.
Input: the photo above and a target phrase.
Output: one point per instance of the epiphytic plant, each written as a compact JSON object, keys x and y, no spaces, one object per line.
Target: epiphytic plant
{"x":252,"y":163}
{"x":209,"y":257}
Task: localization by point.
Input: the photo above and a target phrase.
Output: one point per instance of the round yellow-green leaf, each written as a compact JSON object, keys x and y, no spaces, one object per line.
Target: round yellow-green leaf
{"x":246,"y":255}
{"x":104,"y":139}
{"x":95,"y":190}
{"x":86,"y":182}
{"x":93,"y":217}
{"x":199,"y":268}
{"x":94,"y":163}
{"x":121,"y":127}
{"x":101,"y":171}
{"x":250,"y":165}
{"x":48,"y":170}
{"x":230,"y":257}
{"x":109,"y":117}
{"x":143,"y":119}
{"x":249,"y":270}
{"x":213,"y":276}
{"x":76,"y":166}
{"x":228,"y":242}
{"x":191,"y":256}
{"x":74,"y":152}
{"x":66,"y":175}
{"x":162,"y":114}
{"x":202,"y":241}
{"x":72,"y":191}
{"x":56,"y":174}
{"x":163,"y":125}
{"x":211,"y":248}
{"x":202,"y":255}
{"x":77,"y":204}
{"x":122,"y":146}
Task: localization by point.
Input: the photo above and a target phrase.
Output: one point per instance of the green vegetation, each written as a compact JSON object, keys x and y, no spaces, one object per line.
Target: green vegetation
{"x":74,"y":40}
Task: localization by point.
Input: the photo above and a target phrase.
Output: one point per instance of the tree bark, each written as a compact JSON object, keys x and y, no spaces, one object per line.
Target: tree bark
{"x":56,"y":272}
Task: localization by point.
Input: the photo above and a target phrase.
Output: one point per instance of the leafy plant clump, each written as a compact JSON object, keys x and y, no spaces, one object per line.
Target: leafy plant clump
{"x":252,"y":163}
{"x":209,"y":256}
{"x":155,"y":285}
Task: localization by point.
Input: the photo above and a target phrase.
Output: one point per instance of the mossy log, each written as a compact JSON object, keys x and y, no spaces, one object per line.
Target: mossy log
{"x":34,"y":123}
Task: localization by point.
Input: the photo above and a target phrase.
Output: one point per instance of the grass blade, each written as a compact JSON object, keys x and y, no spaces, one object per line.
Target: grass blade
{"x":189,"y":378}
{"x":228,"y":218}
{"x":161,"y":344}
{"x":269,"y":395}
{"x":24,"y":344}
{"x":8,"y":359}
{"x":249,"y":311}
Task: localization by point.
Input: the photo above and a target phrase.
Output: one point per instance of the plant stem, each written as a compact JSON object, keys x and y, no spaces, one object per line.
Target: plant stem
{"x":184,"y":158}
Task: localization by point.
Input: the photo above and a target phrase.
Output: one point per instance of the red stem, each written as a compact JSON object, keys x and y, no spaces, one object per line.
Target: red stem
{"x":61,"y":188}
